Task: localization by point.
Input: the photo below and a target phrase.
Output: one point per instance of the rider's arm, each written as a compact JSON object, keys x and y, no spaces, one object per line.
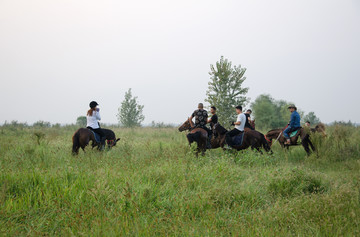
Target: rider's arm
{"x":190,"y":121}
{"x":97,"y":114}
{"x":209,"y":120}
{"x":238,"y":120}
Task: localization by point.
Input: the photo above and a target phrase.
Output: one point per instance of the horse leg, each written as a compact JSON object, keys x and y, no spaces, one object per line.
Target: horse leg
{"x":197,"y":152}
{"x":306,"y":146}
{"x":76,"y":151}
{"x":312,"y":145}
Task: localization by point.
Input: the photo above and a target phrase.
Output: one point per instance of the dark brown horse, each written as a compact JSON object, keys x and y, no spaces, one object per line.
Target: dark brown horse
{"x":83,"y":136}
{"x":277,"y":135}
{"x":81,"y":139}
{"x":197,"y":135}
{"x":252,"y":123}
{"x":252,"y":138}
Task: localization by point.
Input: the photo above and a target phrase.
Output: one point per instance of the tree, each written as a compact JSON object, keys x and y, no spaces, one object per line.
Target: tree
{"x":81,"y":121}
{"x":270,"y":113}
{"x":130,"y":113}
{"x":311,"y":117}
{"x":225,"y":89}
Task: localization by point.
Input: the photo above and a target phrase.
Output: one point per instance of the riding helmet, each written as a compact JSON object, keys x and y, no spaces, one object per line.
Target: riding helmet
{"x":93,"y":104}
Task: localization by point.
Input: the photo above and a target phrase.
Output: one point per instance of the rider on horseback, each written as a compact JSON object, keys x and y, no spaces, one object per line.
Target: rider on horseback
{"x":293,"y":125}
{"x":214,"y":118}
{"x":200,"y":117}
{"x":93,"y":117}
{"x":239,"y":126}
{"x":247,"y":124}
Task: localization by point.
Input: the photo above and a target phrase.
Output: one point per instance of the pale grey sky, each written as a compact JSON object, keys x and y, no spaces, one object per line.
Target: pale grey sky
{"x":56,"y":56}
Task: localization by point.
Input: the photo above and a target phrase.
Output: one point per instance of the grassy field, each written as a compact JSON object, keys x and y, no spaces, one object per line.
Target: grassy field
{"x":152,"y":184}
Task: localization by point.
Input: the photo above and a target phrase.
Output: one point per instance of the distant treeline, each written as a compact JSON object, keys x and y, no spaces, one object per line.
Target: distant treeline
{"x":45,"y":124}
{"x":153,"y":124}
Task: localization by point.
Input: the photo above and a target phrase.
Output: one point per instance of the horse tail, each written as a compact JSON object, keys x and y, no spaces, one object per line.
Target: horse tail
{"x":265,"y":143}
{"x":193,"y":137}
{"x":76,"y":142}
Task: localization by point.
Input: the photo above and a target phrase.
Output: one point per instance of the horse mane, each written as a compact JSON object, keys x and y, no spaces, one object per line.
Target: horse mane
{"x":222,"y":130}
{"x":275,"y":129}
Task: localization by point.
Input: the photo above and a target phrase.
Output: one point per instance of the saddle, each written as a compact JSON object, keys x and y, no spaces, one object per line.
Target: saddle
{"x":97,"y":137}
{"x":238,"y":140}
{"x":294,"y":133}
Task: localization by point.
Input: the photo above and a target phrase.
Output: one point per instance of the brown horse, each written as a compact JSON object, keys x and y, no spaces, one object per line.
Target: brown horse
{"x":277,"y":134}
{"x":252,"y":138}
{"x":83,"y":136}
{"x":81,"y":139}
{"x":197,"y":135}
{"x":320,"y":128}
{"x":252,"y":123}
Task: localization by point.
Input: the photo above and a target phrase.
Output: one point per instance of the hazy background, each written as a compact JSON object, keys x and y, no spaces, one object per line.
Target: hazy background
{"x":56,"y":56}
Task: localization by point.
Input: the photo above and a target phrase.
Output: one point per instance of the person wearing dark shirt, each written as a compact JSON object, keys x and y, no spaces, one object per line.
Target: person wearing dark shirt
{"x":200,"y":116}
{"x":247,"y":123}
{"x":214,"y":118}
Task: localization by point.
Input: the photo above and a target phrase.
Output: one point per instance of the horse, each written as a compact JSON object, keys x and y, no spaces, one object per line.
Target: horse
{"x":81,"y":139}
{"x":252,"y":123}
{"x":320,"y":128}
{"x":302,"y":133}
{"x":110,"y":138}
{"x":252,"y":138}
{"x":83,"y":136}
{"x":198,"y":135}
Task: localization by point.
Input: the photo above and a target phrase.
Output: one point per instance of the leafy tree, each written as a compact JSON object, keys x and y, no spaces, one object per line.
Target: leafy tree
{"x":265,"y":111}
{"x":311,"y":117}
{"x":81,"y":121}
{"x":271,"y":113}
{"x":130,"y":113}
{"x":225,"y":89}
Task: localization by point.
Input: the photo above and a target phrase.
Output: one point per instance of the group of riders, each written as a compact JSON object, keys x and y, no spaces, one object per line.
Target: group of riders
{"x":202,"y":119}
{"x":242,"y":122}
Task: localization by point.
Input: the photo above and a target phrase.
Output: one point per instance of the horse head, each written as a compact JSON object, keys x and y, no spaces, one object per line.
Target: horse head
{"x":185,"y":126}
{"x":272,"y":134}
{"x":112,"y":143}
{"x":269,"y":140}
{"x":252,"y":123}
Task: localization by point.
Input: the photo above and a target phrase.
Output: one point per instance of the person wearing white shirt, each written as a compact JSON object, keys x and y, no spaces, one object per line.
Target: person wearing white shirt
{"x":239,"y":126}
{"x":92,"y":118}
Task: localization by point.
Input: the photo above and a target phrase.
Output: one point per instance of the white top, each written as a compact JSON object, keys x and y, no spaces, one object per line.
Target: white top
{"x":92,"y":121}
{"x":242,"y":119}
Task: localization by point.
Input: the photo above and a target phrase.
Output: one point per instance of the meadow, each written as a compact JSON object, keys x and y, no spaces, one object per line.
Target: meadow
{"x":152,"y":184}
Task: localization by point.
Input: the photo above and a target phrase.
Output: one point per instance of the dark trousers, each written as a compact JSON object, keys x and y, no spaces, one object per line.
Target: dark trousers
{"x":231,"y":134}
{"x":206,"y":129}
{"x":100,"y":132}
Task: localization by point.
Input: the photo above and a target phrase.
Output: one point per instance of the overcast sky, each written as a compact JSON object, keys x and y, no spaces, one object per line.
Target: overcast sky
{"x":56,"y":56}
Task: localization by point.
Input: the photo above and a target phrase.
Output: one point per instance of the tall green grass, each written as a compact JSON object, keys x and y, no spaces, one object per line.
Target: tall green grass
{"x":152,"y":184}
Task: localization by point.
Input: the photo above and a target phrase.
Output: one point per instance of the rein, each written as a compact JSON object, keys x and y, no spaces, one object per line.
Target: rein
{"x":267,"y":139}
{"x":280,"y":134}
